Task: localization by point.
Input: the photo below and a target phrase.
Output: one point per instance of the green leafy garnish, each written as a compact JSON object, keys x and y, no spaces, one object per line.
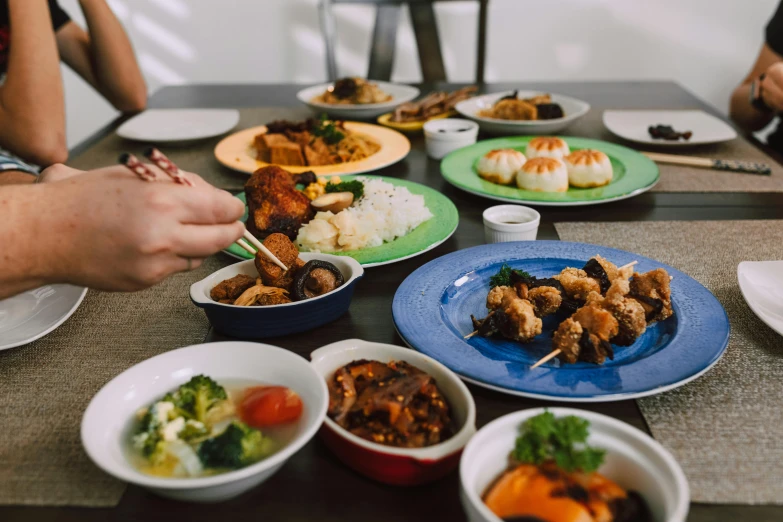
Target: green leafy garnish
{"x":563,"y":440}
{"x":354,"y":186}
{"x":503,"y":277}
{"x":327,"y":130}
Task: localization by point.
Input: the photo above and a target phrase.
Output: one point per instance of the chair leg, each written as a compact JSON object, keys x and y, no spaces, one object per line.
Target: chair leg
{"x":481,"y":54}
{"x":328,"y":29}
{"x":384,"y":41}
{"x":425,"y":28}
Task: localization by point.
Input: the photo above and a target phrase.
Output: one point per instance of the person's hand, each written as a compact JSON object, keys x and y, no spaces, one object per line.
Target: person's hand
{"x":109,"y":230}
{"x":57,"y":172}
{"x":772,"y":87}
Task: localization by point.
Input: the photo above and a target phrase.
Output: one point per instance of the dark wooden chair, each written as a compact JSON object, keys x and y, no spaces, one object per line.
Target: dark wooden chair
{"x":385,"y":36}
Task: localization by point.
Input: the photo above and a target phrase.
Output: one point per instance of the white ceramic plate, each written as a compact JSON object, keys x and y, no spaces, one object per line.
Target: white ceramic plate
{"x":572,"y":108}
{"x":633,"y":125}
{"x":400,"y":94}
{"x":633,"y":459}
{"x":761,"y":284}
{"x":106,"y":421}
{"x":31,"y":315}
{"x":165,"y":125}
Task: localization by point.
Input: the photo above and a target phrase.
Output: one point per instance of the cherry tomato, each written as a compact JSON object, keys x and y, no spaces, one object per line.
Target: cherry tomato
{"x":270,"y":405}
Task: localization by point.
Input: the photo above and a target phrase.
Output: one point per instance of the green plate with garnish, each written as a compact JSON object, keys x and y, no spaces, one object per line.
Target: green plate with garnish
{"x":633,"y":174}
{"x":423,"y":238}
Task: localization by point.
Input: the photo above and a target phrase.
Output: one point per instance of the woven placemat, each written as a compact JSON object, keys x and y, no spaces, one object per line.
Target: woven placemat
{"x":725,"y":427}
{"x":195,"y":156}
{"x":45,"y":387}
{"x":676,"y":178}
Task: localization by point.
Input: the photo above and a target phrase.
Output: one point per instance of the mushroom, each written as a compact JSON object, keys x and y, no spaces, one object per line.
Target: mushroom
{"x":316,"y":278}
{"x":333,"y":202}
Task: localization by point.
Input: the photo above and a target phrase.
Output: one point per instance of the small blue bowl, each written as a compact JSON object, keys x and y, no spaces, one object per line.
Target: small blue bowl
{"x":258,"y":322}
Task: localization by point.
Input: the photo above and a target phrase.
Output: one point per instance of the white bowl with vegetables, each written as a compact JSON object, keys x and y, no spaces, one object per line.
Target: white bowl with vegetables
{"x":568,"y":464}
{"x":207,"y":422}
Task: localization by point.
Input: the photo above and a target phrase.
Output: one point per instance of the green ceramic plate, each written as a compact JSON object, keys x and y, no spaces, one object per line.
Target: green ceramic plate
{"x":633,"y":174}
{"x":425,"y":237}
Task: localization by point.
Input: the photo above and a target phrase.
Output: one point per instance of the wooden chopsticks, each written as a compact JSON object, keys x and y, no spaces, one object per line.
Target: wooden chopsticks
{"x":748,"y":167}
{"x":168,"y":166}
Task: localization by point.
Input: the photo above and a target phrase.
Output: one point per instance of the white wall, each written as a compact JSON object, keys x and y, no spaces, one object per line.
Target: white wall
{"x":707,"y":45}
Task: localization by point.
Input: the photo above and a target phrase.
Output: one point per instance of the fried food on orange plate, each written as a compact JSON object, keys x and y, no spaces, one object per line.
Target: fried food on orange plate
{"x":285,"y":250}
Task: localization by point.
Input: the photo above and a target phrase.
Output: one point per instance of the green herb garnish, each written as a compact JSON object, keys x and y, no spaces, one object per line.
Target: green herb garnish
{"x":503,"y":277}
{"x":354,"y":186}
{"x":327,"y":130}
{"x":545,"y":437}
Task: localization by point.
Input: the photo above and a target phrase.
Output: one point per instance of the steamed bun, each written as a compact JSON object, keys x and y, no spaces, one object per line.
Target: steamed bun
{"x":543,"y":175}
{"x":547,"y":147}
{"x":501,"y":165}
{"x":588,"y":168}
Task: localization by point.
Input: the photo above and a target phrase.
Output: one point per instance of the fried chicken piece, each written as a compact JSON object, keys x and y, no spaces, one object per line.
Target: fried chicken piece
{"x":500,"y":297}
{"x":285,"y":250}
{"x":566,"y":339}
{"x":585,"y":335}
{"x":653,"y":291}
{"x":274,"y":204}
{"x":229,"y":290}
{"x":577,"y":284}
{"x":545,"y":299}
{"x":629,"y":313}
{"x":522,"y":324}
{"x":509,"y":109}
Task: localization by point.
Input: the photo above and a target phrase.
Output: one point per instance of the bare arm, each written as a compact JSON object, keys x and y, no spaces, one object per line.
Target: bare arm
{"x":32,"y":109}
{"x":741,"y":111}
{"x":104,"y":57}
{"x":16,"y":177}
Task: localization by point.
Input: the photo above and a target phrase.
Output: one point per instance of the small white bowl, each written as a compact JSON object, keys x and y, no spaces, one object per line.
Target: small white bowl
{"x":106,"y":422}
{"x":573,"y":109}
{"x":391,"y":465}
{"x":503,"y":223}
{"x":633,"y":459}
{"x":400,"y":93}
{"x":447,"y":135}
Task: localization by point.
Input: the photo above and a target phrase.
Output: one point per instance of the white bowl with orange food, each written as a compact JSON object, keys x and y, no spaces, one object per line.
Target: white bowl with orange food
{"x":400,"y":466}
{"x":634,"y":467}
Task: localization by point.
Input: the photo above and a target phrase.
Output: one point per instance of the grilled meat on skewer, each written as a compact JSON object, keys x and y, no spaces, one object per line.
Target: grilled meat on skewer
{"x":653,"y":291}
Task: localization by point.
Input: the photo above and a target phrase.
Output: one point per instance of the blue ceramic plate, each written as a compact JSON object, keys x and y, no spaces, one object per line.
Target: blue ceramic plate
{"x":433,"y":305}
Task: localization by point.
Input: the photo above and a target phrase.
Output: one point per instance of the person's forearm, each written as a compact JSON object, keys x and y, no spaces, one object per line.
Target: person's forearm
{"x":117,"y":75}
{"x":744,"y":114}
{"x":32,"y":108}
{"x":25,"y":251}
{"x":16,"y":177}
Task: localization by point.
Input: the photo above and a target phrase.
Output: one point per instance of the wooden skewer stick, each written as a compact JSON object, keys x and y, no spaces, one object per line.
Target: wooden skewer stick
{"x":632,"y":263}
{"x":264,"y":250}
{"x":474,"y":332}
{"x":250,"y":250}
{"x":550,"y":355}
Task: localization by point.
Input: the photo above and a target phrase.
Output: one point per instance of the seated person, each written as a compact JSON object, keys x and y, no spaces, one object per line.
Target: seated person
{"x":34,"y":36}
{"x":131,"y":235}
{"x":759,"y":98}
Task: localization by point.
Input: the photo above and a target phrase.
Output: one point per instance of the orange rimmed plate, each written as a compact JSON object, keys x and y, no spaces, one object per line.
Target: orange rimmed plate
{"x":237,"y":152}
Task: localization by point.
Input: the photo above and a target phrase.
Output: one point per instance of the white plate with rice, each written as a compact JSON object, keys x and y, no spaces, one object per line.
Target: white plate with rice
{"x":395,"y":220}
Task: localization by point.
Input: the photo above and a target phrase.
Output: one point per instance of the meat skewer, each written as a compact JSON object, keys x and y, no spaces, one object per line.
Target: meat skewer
{"x":168,"y":166}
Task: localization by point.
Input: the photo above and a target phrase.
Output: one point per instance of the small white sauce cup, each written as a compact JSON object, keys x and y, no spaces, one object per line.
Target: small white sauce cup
{"x":504,"y":223}
{"x":447,"y":135}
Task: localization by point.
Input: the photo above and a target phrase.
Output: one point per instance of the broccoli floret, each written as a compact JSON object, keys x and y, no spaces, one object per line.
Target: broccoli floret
{"x":196,"y":397}
{"x":148,"y":437}
{"x":193,"y":430}
{"x":238,"y":446}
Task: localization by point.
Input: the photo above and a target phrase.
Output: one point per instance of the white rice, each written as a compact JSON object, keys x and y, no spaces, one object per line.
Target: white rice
{"x":384,"y":213}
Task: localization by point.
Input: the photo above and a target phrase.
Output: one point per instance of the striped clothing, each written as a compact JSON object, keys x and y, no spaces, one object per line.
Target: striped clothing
{"x":10,"y":162}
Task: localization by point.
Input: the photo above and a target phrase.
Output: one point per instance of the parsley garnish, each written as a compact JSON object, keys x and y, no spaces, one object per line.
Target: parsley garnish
{"x":503,"y":277}
{"x":545,"y":437}
{"x":327,"y":130}
{"x":354,"y":186}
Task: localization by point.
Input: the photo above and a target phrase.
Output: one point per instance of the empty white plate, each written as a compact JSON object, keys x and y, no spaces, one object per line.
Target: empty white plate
{"x":633,"y":125}
{"x":162,"y":125}
{"x":31,"y":315}
{"x":761,"y":284}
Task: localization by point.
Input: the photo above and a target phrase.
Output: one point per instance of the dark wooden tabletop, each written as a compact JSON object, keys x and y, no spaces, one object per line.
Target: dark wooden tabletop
{"x":314,"y":484}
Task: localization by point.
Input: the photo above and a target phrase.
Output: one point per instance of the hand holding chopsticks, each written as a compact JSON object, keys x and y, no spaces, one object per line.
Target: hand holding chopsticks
{"x":178,"y":176}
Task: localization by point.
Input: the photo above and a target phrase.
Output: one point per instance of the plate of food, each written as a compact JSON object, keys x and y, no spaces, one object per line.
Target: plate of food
{"x":356,"y":98}
{"x":523,"y":112}
{"x":315,"y":145}
{"x":411,"y":116}
{"x":562,"y":321}
{"x":550,"y":170}
{"x":668,"y":128}
{"x":570,"y":465}
{"x":375,"y":220}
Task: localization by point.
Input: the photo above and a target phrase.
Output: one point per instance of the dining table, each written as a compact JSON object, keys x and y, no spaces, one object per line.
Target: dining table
{"x":314,"y":484}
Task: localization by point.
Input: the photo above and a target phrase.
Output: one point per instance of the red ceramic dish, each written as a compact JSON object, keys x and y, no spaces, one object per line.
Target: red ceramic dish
{"x":390,"y":465}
